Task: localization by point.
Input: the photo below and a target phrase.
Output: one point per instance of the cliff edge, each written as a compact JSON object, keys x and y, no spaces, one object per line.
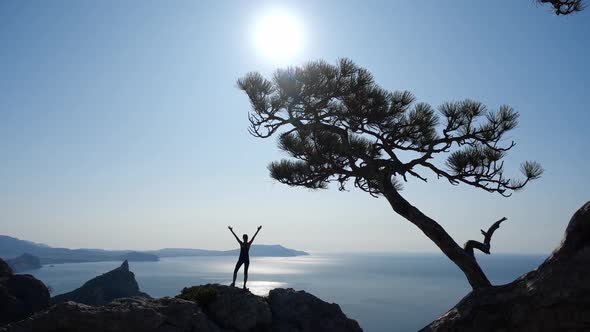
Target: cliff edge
{"x":208,"y":308}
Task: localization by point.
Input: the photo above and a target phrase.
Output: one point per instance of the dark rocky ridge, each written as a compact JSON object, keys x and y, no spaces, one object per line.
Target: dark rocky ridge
{"x":20,"y":295}
{"x":24,"y":262}
{"x":115,"y":284}
{"x":300,"y":311}
{"x":262,"y":250}
{"x":554,"y":297}
{"x":214,"y":308}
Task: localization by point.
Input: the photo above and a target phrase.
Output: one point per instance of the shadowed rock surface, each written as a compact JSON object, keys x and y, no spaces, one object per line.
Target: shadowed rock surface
{"x":231,"y":307}
{"x":115,"y":284}
{"x":129,"y":314}
{"x":5,"y":269}
{"x":555,"y":297}
{"x":301,"y":311}
{"x":20,"y":295}
{"x":211,"y":308}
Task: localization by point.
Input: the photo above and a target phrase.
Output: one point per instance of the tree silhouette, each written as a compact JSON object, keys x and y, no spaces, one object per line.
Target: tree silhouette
{"x":564,"y":7}
{"x":339,"y":126}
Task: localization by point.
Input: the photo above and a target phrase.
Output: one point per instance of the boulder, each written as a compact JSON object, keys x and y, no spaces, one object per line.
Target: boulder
{"x":285,"y":310}
{"x":20,"y":295}
{"x":300,"y":311}
{"x":118,"y":283}
{"x":231,"y":307}
{"x":554,"y":297}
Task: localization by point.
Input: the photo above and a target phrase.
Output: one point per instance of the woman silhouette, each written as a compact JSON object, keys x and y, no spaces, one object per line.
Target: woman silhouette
{"x":244,"y":255}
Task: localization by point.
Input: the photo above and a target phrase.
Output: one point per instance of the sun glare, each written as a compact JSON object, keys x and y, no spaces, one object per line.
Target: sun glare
{"x":278,"y":36}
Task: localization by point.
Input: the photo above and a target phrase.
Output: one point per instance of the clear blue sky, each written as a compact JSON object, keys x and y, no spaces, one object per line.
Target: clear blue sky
{"x":121,"y":125}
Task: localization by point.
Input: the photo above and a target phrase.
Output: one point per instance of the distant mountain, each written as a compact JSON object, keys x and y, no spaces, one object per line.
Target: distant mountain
{"x":11,"y":247}
{"x":115,"y":284}
{"x":272,"y":250}
{"x":24,"y":262}
{"x":136,"y":256}
{"x":266,"y":250}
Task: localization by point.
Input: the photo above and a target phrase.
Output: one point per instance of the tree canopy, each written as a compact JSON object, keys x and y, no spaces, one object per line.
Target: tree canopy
{"x":564,"y":7}
{"x":338,"y":126}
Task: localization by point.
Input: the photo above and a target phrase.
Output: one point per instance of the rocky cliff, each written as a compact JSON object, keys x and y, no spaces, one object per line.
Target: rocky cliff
{"x":20,"y":295}
{"x":115,"y":284}
{"x":555,"y":297}
{"x":211,"y":308}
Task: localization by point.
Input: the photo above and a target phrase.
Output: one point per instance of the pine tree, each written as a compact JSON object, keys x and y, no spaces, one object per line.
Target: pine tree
{"x":564,"y":7}
{"x":338,"y":126}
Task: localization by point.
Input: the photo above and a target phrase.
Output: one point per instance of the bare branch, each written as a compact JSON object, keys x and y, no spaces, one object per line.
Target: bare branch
{"x":485,"y":246}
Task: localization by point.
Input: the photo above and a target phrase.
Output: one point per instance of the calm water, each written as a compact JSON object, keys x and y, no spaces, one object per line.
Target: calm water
{"x":383,"y":292}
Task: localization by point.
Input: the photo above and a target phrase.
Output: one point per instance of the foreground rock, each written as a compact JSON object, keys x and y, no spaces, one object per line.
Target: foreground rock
{"x":24,"y":262}
{"x":129,"y":314}
{"x":211,"y":308}
{"x":300,"y":311}
{"x":118,"y":283}
{"x":555,"y":297}
{"x":231,"y":307}
{"x":20,"y":295}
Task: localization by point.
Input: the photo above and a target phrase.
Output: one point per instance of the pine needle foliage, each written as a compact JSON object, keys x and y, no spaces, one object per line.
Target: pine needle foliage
{"x":337,"y":125}
{"x":564,"y":7}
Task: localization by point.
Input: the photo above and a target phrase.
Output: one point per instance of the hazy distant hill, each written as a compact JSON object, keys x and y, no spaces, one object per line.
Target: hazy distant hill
{"x":273,"y":250}
{"x":24,"y":262}
{"x":11,"y":247}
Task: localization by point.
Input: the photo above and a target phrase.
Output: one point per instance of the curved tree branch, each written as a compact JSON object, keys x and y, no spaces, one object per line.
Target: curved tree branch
{"x":485,"y":246}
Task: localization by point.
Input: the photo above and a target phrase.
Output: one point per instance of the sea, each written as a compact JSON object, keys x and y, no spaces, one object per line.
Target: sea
{"x":383,"y":292}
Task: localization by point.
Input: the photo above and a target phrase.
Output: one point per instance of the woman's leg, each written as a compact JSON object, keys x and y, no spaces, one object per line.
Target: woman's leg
{"x":246,"y":265}
{"x":238,"y":265}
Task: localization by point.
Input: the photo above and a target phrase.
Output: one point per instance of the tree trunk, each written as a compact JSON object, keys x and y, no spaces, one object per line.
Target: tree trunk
{"x":435,"y":232}
{"x":553,"y":297}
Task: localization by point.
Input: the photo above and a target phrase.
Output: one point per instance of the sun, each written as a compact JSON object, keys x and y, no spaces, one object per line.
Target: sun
{"x":278,"y":35}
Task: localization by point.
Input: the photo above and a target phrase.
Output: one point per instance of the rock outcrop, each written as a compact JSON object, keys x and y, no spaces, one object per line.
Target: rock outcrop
{"x":20,"y":295}
{"x":118,"y":283}
{"x":231,"y":307}
{"x":554,"y":297}
{"x":300,"y":311}
{"x":24,"y":262}
{"x":211,"y":308}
